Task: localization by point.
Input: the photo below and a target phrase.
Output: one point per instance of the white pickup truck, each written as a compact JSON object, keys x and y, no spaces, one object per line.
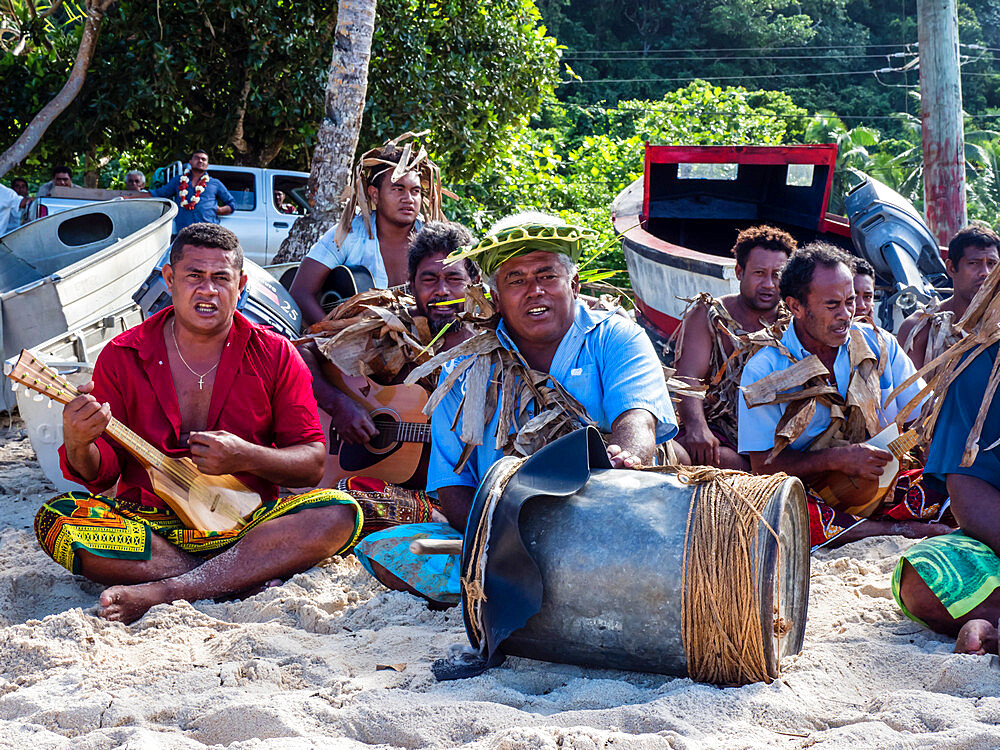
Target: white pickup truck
{"x":258,"y":221}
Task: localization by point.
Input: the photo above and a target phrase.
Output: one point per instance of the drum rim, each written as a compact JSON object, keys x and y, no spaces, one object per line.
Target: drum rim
{"x":478,"y":505}
{"x":788,"y":504}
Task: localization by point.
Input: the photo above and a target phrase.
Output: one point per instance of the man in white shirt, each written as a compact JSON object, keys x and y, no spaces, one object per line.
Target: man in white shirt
{"x":390,"y":199}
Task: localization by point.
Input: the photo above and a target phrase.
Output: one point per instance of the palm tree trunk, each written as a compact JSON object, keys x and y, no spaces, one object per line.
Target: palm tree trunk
{"x":337,"y":138}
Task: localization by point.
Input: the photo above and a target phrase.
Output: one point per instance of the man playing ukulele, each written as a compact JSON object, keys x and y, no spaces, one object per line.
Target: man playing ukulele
{"x":197,"y":380}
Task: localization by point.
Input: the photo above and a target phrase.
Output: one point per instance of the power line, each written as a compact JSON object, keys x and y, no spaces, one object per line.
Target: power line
{"x":719,"y":78}
{"x":704,"y":58}
{"x":744,"y":49}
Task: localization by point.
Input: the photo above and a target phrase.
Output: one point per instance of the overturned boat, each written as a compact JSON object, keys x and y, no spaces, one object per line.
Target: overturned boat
{"x":60,"y":272}
{"x":72,"y":354}
{"x":679,"y":221}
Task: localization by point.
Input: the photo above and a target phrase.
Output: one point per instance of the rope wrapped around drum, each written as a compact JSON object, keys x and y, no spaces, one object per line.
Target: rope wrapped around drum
{"x":720,"y":606}
{"x":696,"y":571}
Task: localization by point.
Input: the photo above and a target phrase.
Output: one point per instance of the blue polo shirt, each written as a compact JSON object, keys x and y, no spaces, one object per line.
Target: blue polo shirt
{"x":204,"y":210}
{"x":604,"y":360}
{"x":757,"y":425}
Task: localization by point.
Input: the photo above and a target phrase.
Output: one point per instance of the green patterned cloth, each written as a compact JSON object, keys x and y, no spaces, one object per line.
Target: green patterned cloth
{"x":122,"y":529}
{"x":960,"y":571}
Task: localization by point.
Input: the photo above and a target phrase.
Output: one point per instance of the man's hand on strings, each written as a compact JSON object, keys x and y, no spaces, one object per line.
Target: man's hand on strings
{"x":220,"y":452}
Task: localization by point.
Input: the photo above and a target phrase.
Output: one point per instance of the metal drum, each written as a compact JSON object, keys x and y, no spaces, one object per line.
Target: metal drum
{"x":610,"y":555}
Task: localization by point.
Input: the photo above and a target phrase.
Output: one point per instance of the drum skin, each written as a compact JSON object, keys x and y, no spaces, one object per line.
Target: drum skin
{"x":611,"y":562}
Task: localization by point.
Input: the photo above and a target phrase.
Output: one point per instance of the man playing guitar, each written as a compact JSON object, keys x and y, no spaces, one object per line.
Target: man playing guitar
{"x":432,"y":283}
{"x":196,"y":380}
{"x":851,"y":362}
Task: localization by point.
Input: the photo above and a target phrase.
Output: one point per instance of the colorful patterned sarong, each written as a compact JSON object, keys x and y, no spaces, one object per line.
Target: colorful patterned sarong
{"x":438,"y":577}
{"x":120,"y":529}
{"x":959,"y":570}
{"x":909,"y":500}
{"x":387,"y":505}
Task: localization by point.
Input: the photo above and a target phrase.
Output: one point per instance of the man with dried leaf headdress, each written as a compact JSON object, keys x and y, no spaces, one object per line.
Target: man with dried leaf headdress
{"x":972,"y":254}
{"x":813,"y":399}
{"x":712,"y":346}
{"x":544,"y":365}
{"x":391,"y":188}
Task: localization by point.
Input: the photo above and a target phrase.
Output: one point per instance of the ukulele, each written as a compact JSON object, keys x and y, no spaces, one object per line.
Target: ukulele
{"x":202,"y":501}
{"x":862,"y":497}
{"x":397,"y":453}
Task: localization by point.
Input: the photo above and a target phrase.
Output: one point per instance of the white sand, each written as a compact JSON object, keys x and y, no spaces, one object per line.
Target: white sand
{"x":295,"y":667}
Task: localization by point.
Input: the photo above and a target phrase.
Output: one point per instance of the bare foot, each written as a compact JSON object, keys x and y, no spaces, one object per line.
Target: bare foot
{"x":128,"y":603}
{"x":976,"y":637}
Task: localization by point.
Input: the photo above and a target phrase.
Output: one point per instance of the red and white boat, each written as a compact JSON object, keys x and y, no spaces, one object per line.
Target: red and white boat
{"x":679,"y":221}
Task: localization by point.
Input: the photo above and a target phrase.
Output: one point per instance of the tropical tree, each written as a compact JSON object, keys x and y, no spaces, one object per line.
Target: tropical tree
{"x":337,"y":139}
{"x":38,"y":22}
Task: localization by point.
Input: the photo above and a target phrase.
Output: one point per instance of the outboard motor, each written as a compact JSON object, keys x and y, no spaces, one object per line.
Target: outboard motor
{"x":888,"y":232}
{"x":264,"y":301}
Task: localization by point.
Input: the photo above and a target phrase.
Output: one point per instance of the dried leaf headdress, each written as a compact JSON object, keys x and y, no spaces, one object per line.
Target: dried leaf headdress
{"x":414,"y":158}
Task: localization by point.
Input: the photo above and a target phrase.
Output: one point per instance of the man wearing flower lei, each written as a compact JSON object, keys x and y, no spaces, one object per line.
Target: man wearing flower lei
{"x":393,"y":190}
{"x":197,"y":194}
{"x":569,"y":364}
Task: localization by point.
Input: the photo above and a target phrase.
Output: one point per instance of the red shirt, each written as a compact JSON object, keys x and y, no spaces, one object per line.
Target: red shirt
{"x":262,"y":393}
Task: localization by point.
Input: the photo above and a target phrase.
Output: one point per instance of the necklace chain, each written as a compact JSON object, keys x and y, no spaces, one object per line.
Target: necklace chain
{"x":201,"y":377}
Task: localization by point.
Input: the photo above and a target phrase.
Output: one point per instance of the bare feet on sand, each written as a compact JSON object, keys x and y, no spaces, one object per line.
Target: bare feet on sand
{"x":128,"y":603}
{"x":976,"y":637}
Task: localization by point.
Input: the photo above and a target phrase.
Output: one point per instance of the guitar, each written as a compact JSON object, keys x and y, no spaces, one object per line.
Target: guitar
{"x":343,"y":282}
{"x":397,"y":454}
{"x":202,"y":501}
{"x":862,"y":497}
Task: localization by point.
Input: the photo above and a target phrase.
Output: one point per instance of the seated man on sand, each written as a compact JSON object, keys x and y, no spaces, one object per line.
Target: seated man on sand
{"x":950,"y":583}
{"x":604,"y":362}
{"x":195,"y":380}
{"x":432,"y":283}
{"x":972,"y":254}
{"x":710,"y":350}
{"x":433,"y":323}
{"x":848,"y":369}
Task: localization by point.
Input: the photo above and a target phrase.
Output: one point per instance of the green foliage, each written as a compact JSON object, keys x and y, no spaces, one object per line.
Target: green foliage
{"x":470,"y":70}
{"x":246,"y":79}
{"x":558,"y":170}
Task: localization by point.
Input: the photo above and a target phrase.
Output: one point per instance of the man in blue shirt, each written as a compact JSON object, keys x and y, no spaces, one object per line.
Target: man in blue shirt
{"x":950,"y":583}
{"x":817,"y":284}
{"x":604,"y":360}
{"x":197,"y":194}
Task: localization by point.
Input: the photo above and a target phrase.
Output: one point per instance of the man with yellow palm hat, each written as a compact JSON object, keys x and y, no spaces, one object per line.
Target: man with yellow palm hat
{"x":601,"y":369}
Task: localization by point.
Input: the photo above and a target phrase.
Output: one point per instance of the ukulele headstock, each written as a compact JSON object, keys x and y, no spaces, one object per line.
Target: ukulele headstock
{"x":31,"y":372}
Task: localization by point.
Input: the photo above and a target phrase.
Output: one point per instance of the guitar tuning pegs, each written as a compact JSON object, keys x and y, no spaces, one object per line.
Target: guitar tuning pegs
{"x":49,"y":404}
{"x":37,"y":397}
{"x":14,"y":387}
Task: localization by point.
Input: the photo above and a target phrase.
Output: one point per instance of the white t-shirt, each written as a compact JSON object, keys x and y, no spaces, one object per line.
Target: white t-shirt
{"x":358,"y":250}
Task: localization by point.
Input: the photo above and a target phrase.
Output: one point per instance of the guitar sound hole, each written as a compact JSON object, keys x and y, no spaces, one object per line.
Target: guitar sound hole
{"x":386,"y":437}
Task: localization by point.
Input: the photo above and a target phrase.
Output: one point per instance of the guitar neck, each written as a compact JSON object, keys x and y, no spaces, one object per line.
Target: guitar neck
{"x":130,"y":441}
{"x":407,"y":432}
{"x":904,"y":443}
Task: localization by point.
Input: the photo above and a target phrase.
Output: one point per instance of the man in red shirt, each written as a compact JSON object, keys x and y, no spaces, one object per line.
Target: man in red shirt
{"x":197,"y":380}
